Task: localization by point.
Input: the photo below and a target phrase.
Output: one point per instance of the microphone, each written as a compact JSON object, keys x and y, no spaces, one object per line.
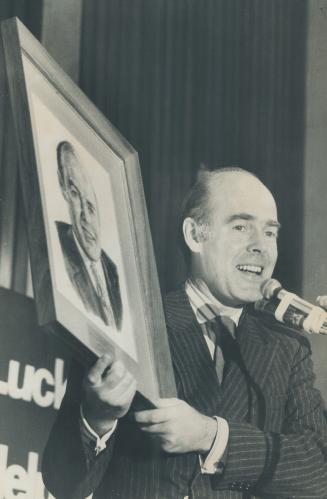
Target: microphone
{"x":291,"y":309}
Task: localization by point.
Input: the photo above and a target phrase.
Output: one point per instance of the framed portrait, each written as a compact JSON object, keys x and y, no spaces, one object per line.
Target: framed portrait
{"x":93,"y":268}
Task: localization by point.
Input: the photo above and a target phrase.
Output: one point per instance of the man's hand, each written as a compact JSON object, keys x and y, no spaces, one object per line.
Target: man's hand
{"x":178,"y":427}
{"x":108,"y":393}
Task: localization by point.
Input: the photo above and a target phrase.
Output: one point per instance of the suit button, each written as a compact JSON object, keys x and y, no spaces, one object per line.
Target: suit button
{"x":219,"y":466}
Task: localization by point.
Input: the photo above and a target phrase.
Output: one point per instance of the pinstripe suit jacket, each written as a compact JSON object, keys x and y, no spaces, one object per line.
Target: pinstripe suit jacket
{"x":278,"y":436}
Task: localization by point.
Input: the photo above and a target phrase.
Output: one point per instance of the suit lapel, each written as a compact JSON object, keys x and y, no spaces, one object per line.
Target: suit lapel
{"x":191,"y":358}
{"x":258,"y":345}
{"x":244,"y":385}
{"x":111,"y":278}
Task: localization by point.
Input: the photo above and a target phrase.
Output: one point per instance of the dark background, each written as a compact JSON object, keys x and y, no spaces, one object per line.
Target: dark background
{"x":218,"y":82}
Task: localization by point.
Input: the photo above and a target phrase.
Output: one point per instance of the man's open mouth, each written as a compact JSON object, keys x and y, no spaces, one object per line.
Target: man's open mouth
{"x":250,"y":269}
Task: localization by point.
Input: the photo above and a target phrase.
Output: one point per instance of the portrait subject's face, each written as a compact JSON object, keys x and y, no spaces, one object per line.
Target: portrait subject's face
{"x":83,"y":207}
{"x":241,"y":251}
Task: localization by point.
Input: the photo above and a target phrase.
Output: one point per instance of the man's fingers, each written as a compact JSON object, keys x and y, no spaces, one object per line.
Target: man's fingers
{"x":161,"y":403}
{"x":114,"y":375}
{"x":164,"y":412}
{"x":153,"y":416}
{"x":121,"y":393}
{"x":94,"y":376}
{"x":156,"y":429}
{"x":127,"y":396}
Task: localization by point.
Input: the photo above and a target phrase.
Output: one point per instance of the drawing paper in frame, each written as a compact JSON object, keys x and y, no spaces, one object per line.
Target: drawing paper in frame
{"x":93,"y":267}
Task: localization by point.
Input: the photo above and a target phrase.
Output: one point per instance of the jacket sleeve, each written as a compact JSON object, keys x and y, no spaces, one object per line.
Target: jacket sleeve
{"x":64,"y":465}
{"x":292,"y":463}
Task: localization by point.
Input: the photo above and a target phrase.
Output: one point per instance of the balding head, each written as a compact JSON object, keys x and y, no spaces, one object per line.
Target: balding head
{"x":238,"y":188}
{"x":199,"y":202}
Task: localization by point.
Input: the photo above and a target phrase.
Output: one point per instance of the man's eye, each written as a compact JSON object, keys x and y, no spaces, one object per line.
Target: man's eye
{"x":271,"y":234}
{"x":73,"y":192}
{"x":241,"y":228}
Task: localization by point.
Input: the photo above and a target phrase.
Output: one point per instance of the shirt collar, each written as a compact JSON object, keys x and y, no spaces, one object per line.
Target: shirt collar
{"x":205,"y":306}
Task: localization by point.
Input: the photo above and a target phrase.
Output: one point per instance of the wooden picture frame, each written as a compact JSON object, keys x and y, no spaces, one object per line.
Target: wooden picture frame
{"x":94,"y":274}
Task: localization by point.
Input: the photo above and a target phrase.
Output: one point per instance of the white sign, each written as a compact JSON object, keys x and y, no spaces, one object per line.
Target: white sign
{"x":39,"y":385}
{"x":18,"y":482}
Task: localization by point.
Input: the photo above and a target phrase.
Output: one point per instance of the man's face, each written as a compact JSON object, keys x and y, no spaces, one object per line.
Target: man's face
{"x":241,"y":250}
{"x":82,"y":204}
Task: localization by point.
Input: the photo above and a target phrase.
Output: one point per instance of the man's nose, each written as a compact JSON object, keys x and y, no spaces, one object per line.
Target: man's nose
{"x":257,"y":243}
{"x":85,"y":212}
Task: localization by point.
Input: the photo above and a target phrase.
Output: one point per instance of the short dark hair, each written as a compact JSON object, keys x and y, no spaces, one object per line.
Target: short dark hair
{"x":196,"y":204}
{"x":63,"y":147}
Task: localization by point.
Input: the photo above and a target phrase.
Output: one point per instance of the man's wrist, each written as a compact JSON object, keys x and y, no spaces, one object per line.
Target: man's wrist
{"x":210,"y":432}
{"x":214,"y":461}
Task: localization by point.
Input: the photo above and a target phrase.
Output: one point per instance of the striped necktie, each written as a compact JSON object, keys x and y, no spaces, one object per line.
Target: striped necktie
{"x":225,"y":344}
{"x":106,"y":308}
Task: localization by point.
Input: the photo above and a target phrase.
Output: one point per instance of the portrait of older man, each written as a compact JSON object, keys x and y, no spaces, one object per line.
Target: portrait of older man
{"x":91,"y":271}
{"x":248,"y":421}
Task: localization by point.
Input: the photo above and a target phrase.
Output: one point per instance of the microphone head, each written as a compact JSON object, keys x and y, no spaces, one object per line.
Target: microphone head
{"x":269,"y":288}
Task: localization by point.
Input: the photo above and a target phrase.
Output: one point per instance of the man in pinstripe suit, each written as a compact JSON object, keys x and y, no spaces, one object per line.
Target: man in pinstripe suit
{"x":247,"y":423}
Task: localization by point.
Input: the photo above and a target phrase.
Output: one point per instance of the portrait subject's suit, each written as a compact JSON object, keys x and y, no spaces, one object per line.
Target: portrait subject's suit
{"x":81,"y":280}
{"x":277,"y":444}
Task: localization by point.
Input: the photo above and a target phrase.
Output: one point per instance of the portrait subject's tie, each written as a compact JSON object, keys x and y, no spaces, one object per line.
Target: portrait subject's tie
{"x":102,"y":293}
{"x":224,"y":329}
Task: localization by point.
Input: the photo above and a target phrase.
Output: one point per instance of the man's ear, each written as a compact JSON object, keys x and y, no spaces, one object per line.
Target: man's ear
{"x":191,"y":235}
